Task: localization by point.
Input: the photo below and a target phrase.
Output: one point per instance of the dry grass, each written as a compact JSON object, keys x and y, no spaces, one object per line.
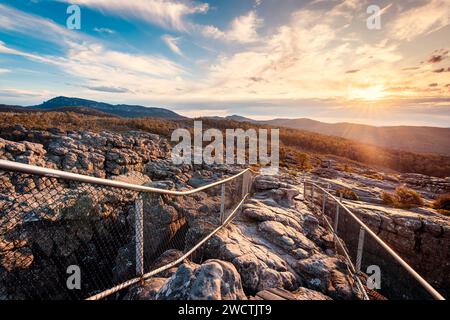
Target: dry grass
{"x":403,"y":198}
{"x":301,"y":141}
{"x":374,"y":176}
{"x":444,"y":212}
{"x":76,"y":121}
{"x":347,"y":194}
{"x":442,"y":204}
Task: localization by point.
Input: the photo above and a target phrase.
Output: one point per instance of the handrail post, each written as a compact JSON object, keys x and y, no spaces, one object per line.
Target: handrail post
{"x":359,"y":254}
{"x":244,"y":184}
{"x":336,"y":217}
{"x":324,"y":202}
{"x":304,"y":190}
{"x":312,"y":193}
{"x":139,"y":230}
{"x":222,"y":203}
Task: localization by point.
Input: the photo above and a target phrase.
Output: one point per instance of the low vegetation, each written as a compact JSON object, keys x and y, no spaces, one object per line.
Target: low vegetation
{"x":347,"y":194}
{"x":301,"y":141}
{"x":77,"y":121}
{"x":442,"y":204}
{"x":374,"y":176}
{"x":403,"y":198}
{"x":294,"y":159}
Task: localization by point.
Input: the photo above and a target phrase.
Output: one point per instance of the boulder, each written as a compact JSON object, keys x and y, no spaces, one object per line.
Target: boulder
{"x":263,"y":183}
{"x":326,"y":274}
{"x":213,"y":280}
{"x":148,"y":291}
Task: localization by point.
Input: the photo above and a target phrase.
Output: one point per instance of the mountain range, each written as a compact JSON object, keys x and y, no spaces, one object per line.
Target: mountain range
{"x":408,"y":138}
{"x":97,"y":108}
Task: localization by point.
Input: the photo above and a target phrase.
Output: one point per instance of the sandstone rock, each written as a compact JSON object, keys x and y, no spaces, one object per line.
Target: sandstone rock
{"x":285,"y":236}
{"x":263,"y":183}
{"x":125,"y":263}
{"x":308,"y":294}
{"x":213,"y":280}
{"x":328,"y":275}
{"x":147,"y":291}
{"x":167,"y":257}
{"x":284,"y":196}
{"x":161,"y":222}
{"x":326,"y":173}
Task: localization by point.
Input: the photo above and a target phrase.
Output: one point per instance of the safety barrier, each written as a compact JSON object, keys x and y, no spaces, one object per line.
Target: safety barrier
{"x":114,"y":233}
{"x":366,"y":252}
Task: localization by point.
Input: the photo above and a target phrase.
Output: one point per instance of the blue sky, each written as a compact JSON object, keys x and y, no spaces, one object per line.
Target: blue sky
{"x":258,"y":58}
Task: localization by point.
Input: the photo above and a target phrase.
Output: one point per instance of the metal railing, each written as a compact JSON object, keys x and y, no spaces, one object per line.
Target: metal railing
{"x":115,"y":231}
{"x":363,"y":248}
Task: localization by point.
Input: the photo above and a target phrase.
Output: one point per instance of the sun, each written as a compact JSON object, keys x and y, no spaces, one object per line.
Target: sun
{"x":369,"y":94}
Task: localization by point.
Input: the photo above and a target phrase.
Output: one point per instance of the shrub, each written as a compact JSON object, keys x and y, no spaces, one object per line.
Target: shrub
{"x":388,"y":198}
{"x":444,"y":212}
{"x":374,"y":176}
{"x":347,"y":194}
{"x":347,"y":168}
{"x":403,"y":197}
{"x":442,"y":202}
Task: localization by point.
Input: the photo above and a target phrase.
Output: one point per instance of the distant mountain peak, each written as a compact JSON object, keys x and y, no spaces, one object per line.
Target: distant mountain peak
{"x":236,"y":117}
{"x":123,"y":110}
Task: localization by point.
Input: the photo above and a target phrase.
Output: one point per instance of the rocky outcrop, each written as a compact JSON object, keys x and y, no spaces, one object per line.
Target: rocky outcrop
{"x":420,"y":235}
{"x":326,"y":274}
{"x":426,"y":183}
{"x":270,"y":244}
{"x":422,"y":240}
{"x":368,"y":183}
{"x":213,"y":280}
{"x":48,"y":224}
{"x":99,"y":154}
{"x":276,"y":242}
{"x":147,"y":291}
{"x":42,"y":235}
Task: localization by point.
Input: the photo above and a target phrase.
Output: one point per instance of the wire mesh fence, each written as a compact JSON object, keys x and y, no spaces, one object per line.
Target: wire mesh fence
{"x":382,"y":273}
{"x":65,"y":239}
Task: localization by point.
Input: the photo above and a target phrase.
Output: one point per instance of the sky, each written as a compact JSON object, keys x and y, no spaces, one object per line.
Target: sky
{"x":319,"y":59}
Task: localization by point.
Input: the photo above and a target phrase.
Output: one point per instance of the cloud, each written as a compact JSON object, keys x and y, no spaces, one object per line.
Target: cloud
{"x":164,"y":13}
{"x":93,"y":65}
{"x":438,"y":56}
{"x":103,"y":70}
{"x":104,"y":30}
{"x":309,"y":58}
{"x":258,"y":3}
{"x":433,"y":15}
{"x":441,"y":70}
{"x":13,"y":20}
{"x":108,"y":89}
{"x":172,"y":43}
{"x":11,"y":51}
{"x":15,"y":93}
{"x":3,"y":71}
{"x":291,"y":61}
{"x":117,"y":69}
{"x":243,"y":29}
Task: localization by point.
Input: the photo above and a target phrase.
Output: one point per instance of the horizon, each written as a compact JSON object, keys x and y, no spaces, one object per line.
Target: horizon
{"x":260,"y":59}
{"x":256,"y":118}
